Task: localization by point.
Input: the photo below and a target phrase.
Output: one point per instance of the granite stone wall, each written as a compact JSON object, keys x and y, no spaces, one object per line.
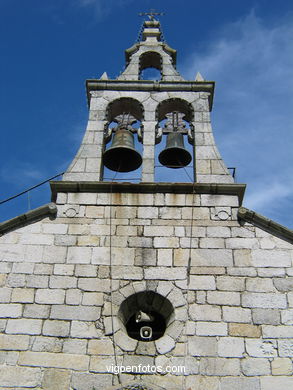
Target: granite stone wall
{"x":62,"y":283}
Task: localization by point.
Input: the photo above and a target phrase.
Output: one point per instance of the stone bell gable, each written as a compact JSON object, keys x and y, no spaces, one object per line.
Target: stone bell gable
{"x":146,"y":286}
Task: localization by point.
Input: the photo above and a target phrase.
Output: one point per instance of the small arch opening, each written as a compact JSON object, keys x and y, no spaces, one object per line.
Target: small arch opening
{"x":150,"y":66}
{"x":146,"y":315}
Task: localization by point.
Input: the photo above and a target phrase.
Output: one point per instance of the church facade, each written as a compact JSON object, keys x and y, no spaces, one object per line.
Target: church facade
{"x":146,"y":285}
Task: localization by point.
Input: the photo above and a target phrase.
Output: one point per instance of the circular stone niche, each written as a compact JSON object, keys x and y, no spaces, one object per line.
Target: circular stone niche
{"x":146,"y":315}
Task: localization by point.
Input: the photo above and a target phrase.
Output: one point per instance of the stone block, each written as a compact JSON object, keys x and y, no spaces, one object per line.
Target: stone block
{"x":232,"y":383}
{"x":202,"y":346}
{"x":264,"y":300}
{"x":23,"y":295}
{"x":55,"y":228}
{"x":62,"y":282}
{"x":23,"y":268}
{"x":43,"y":269}
{"x":242,"y":243}
{"x":285,"y":348}
{"x":36,"y":311}
{"x":244,"y":330}
{"x":24,"y":326}
{"x":158,"y":231}
{"x":16,"y":280}
{"x":56,"y":328}
{"x":82,"y":198}
{"x":211,"y":257}
{"x":242,"y":257}
{"x":47,"y":344}
{"x":84,"y":381}
{"x":280,"y":331}
{"x":75,"y":346}
{"x":260,"y":285}
{"x":37,"y":281}
{"x":84,"y":329}
{"x":54,"y":254}
{"x":261,"y":348}
{"x":198,"y":282}
{"x":218,"y":231}
{"x":204,"y":312}
{"x":287,"y":317}
{"x":231,"y":347}
{"x":223,"y":298}
{"x":230,"y":283}
{"x":166,"y":242}
{"x":236,"y":314}
{"x":266,"y":316}
{"x":271,"y":258}
{"x":211,"y":329}
{"x":219,"y":200}
{"x":100,"y":347}
{"x":95,"y":285}
{"x":13,"y":310}
{"x":219,"y":366}
{"x":283,"y":285}
{"x":169,"y":213}
{"x":272,"y":272}
{"x":94,"y":211}
{"x":37,"y":239}
{"x":242,"y":271}
{"x":65,"y":240}
{"x":82,"y":313}
{"x":79,"y":255}
{"x":282,"y":366}
{"x":17,"y":376}
{"x":50,"y":296}
{"x":92,"y":299}
{"x":181,"y":257}
{"x":86,"y":270}
{"x":277,"y":382}
{"x":58,"y":360}
{"x":165,"y":273}
{"x":165,"y":344}
{"x":101,"y":364}
{"x":64,"y":269}
{"x":15,"y":342}
{"x":255,"y":367}
{"x":212,"y":243}
{"x":56,"y":379}
{"x":125,"y":342}
{"x":5,"y":295}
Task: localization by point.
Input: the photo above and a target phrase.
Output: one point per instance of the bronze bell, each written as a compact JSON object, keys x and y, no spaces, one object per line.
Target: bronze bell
{"x":175,"y":155}
{"x":122,"y":156}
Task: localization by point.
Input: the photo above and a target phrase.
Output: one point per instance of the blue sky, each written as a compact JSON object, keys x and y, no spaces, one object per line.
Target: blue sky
{"x":49,"y":48}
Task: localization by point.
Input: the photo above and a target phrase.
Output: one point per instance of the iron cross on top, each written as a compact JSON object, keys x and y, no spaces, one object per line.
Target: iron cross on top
{"x":151,"y":14}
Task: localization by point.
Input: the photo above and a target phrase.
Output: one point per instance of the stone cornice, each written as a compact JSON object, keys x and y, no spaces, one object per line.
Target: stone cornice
{"x":49,"y":209}
{"x":266,"y":224}
{"x":148,"y":188}
{"x":149,"y":86}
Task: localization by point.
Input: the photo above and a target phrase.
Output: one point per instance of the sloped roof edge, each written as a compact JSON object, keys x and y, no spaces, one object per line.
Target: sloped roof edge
{"x":266,"y":224}
{"x":38,"y":213}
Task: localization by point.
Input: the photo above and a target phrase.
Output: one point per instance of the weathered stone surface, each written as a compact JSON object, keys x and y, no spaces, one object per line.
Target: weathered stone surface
{"x":260,"y":348}
{"x":232,"y":383}
{"x":165,"y":344}
{"x":202,"y":346}
{"x":266,"y":316}
{"x":244,"y":330}
{"x":255,"y":367}
{"x":17,"y":376}
{"x":264,"y":300}
{"x":84,"y":381}
{"x":277,"y":382}
{"x":219,"y":366}
{"x":58,"y":360}
{"x":211,"y":329}
{"x":282,"y":366}
{"x":231,"y":347}
{"x":56,"y":379}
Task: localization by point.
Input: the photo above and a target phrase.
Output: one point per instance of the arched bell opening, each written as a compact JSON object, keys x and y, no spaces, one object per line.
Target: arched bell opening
{"x":122,"y":156}
{"x":174,"y":137}
{"x":146,"y":315}
{"x":150,"y":66}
